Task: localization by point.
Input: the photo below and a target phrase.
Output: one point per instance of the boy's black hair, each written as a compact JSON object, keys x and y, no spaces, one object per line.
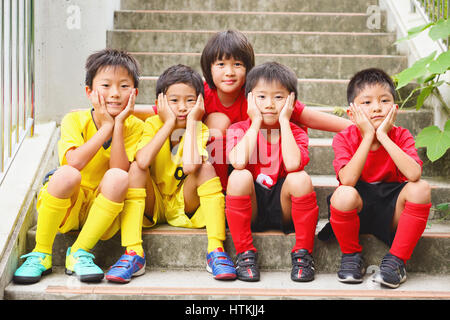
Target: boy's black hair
{"x":179,"y":74}
{"x":224,"y":45}
{"x":111,"y":58}
{"x":368,"y":77}
{"x":272,"y":72}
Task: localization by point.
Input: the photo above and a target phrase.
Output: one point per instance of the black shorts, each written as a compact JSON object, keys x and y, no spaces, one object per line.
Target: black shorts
{"x":379,"y":201}
{"x":270,"y":215}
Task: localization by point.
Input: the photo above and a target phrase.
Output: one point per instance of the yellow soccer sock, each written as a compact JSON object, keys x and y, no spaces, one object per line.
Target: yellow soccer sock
{"x":212,"y":204}
{"x":131,"y":220}
{"x":50,"y":214}
{"x":101,"y":215}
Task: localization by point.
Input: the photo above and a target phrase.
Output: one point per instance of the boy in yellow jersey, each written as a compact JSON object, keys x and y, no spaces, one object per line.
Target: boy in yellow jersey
{"x":179,"y":185}
{"x":95,"y":150}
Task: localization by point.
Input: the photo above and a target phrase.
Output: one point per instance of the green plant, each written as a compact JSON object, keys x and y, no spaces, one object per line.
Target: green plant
{"x":427,"y":73}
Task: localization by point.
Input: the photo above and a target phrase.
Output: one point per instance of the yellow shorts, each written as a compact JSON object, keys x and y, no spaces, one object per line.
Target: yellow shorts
{"x":78,"y":211}
{"x":170,"y":209}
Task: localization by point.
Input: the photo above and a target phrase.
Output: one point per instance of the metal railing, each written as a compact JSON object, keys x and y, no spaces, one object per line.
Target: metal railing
{"x":431,"y":11}
{"x":16,"y":78}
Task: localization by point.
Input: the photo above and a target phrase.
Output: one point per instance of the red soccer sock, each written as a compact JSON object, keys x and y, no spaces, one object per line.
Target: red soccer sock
{"x":238,"y":210}
{"x":345,"y":226}
{"x":411,"y":225}
{"x":305,"y":213}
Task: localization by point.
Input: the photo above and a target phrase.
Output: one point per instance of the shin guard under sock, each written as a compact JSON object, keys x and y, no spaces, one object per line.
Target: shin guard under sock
{"x":411,"y":225}
{"x":239,"y":216}
{"x":345,"y":225}
{"x":101,"y":215}
{"x":305,"y":213}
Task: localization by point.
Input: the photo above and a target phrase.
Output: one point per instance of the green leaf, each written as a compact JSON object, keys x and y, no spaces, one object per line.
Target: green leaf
{"x":436,"y":141}
{"x":440,"y":30}
{"x":441,"y":64}
{"x":423,"y":95}
{"x":414,"y":32}
{"x":418,"y":69}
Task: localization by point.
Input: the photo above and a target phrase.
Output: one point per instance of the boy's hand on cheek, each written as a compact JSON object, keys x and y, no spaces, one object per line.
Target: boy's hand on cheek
{"x":361,"y":121}
{"x":288,"y":108}
{"x":164,"y":111}
{"x":197,"y":112}
{"x":121,"y":117}
{"x":101,"y":112}
{"x":252,"y":110}
{"x":388,"y":122}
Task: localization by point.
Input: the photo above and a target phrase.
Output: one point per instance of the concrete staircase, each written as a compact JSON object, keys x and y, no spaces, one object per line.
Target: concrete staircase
{"x":324,"y":42}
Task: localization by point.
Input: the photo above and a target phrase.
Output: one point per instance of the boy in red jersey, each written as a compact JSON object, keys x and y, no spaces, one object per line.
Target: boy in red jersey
{"x":268,"y":188}
{"x":380,"y":191}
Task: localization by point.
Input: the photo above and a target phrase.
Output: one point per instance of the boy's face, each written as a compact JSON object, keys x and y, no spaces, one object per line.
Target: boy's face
{"x":228,"y":75}
{"x":376,"y":101}
{"x":181,"y":98}
{"x":115,"y":84}
{"x":270,"y":98}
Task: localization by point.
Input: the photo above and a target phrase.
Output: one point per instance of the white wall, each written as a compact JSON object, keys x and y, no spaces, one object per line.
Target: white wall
{"x":67,"y":31}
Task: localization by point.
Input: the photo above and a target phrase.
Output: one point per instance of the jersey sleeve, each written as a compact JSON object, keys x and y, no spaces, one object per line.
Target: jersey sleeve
{"x":234,"y":134}
{"x":342,"y":152}
{"x":71,"y":135}
{"x":297,"y":113}
{"x":202,"y":140}
{"x":150,"y":127}
{"x":406,"y":142}
{"x":134,"y":129}
{"x":302,"y":140}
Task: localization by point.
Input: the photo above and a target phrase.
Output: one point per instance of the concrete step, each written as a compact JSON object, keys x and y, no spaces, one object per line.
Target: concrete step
{"x":246,"y":20}
{"x":180,"y":248}
{"x":188,"y":40}
{"x":251,"y":5}
{"x":331,"y":66}
{"x":157,"y":284}
{"x":311,"y":92}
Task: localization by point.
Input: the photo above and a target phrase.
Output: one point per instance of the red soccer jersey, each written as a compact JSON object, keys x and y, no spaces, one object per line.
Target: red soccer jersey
{"x":266,"y":163}
{"x":379,"y":166}
{"x":238,"y":110}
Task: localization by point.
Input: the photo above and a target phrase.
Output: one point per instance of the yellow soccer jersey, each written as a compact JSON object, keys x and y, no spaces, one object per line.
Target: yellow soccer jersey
{"x":78,"y":127}
{"x":167,"y":168}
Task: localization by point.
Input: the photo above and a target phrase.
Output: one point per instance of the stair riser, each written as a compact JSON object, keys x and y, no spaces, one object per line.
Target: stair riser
{"x":306,"y":66}
{"x":188,"y":251}
{"x":190,"y":41}
{"x":251,"y":5}
{"x":247,"y":21}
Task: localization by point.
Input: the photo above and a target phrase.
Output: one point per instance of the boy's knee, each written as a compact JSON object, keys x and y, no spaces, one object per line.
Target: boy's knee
{"x":218,"y":124}
{"x":115,"y":180}
{"x":346,"y":198}
{"x":239,"y":182}
{"x":418,"y":192}
{"x":299,"y":183}
{"x":64,"y":181}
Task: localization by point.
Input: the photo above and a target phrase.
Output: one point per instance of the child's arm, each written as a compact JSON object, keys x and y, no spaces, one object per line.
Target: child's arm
{"x":79,"y":157}
{"x":146,"y":155}
{"x":191,"y":157}
{"x":290,"y":151}
{"x":240,"y":154}
{"x":119,"y":158}
{"x":349,"y":175}
{"x":323,"y":121}
{"x":407,"y":165}
{"x":143,"y":111}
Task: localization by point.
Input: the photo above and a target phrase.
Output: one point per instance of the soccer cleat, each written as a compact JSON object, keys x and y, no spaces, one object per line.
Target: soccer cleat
{"x":392,"y":272}
{"x":82,"y":265}
{"x":129,"y":265}
{"x":34,"y":267}
{"x":302,"y":266}
{"x":246,"y":267}
{"x":352,"y":268}
{"x":220,"y":265}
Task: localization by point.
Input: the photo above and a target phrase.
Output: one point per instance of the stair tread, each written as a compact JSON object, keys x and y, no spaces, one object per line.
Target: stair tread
{"x":180,"y":284}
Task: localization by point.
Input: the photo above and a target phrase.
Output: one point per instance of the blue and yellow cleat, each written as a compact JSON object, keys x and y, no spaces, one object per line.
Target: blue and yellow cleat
{"x":36,"y":265}
{"x":82,"y":265}
{"x":220,"y":265}
{"x":129,"y":265}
